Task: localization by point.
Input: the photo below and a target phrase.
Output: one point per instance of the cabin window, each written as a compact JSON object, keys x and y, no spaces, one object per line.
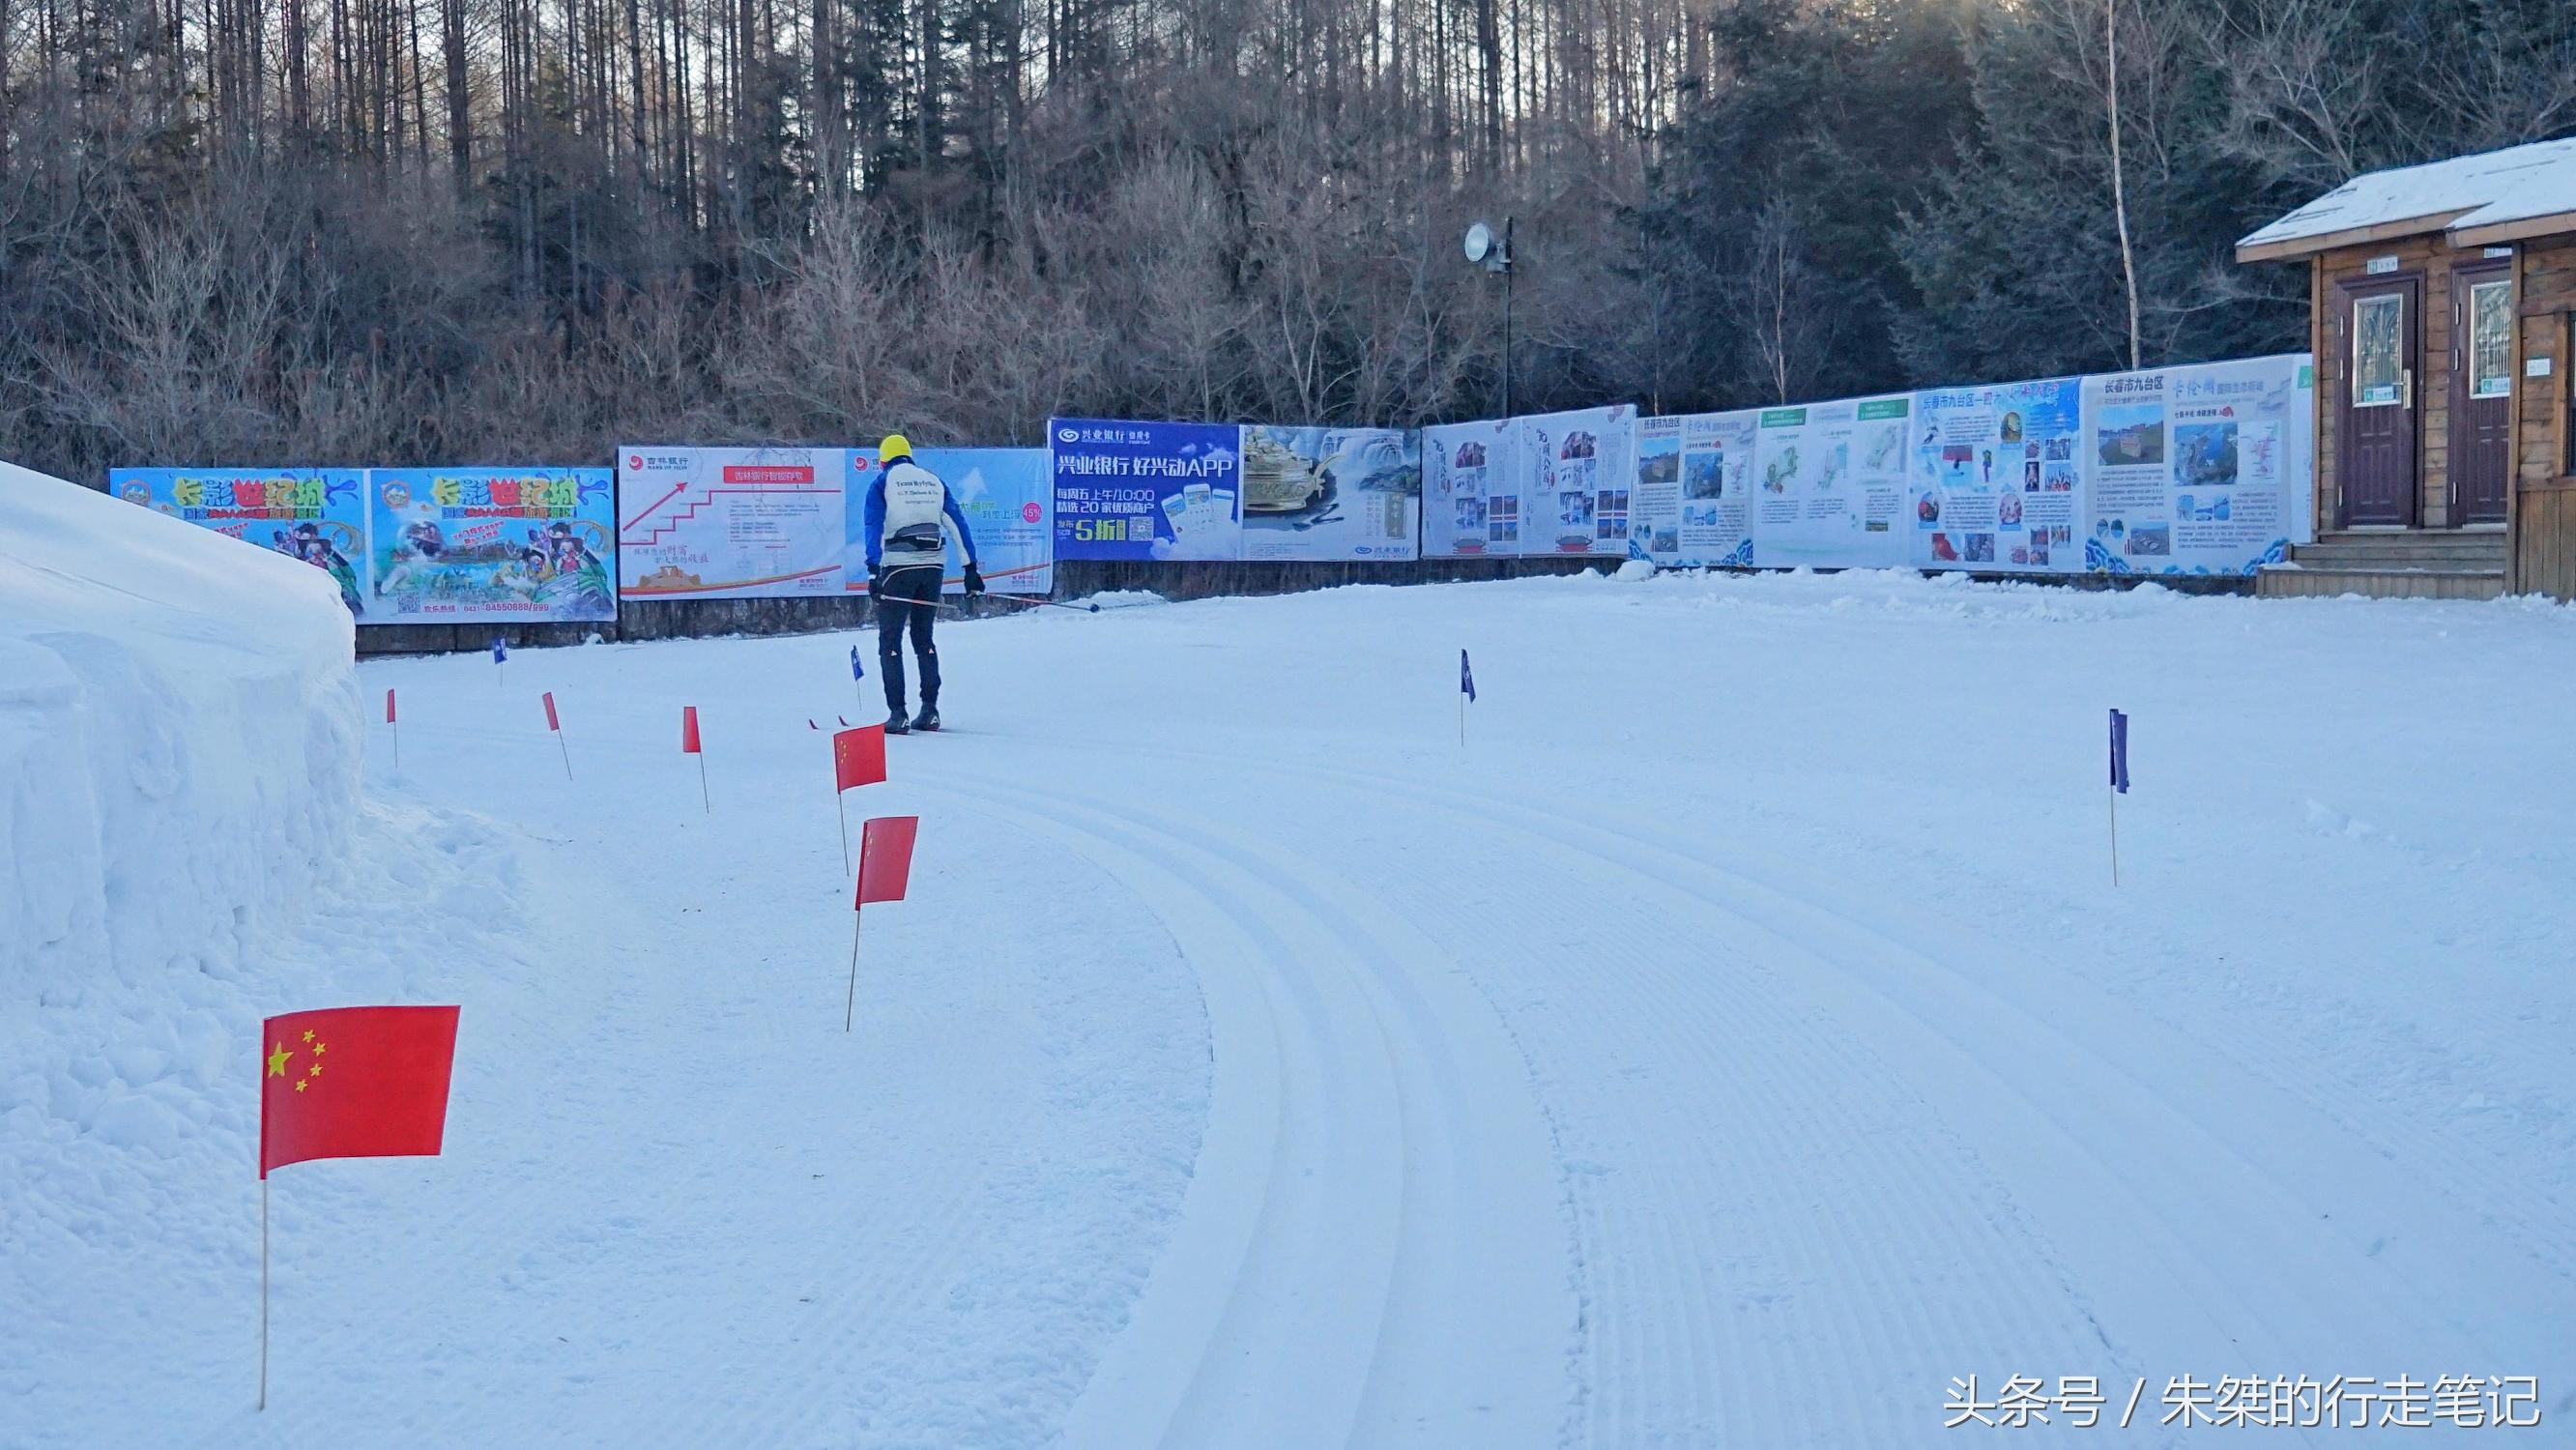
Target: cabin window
{"x":2491,"y":340}
{"x":2378,"y":351}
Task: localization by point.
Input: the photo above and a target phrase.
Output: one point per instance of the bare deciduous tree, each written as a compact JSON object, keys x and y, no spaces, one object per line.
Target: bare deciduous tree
{"x":489,"y":230}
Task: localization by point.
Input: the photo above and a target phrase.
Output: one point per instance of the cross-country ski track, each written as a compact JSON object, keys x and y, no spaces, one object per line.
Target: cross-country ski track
{"x":1731,"y":1044}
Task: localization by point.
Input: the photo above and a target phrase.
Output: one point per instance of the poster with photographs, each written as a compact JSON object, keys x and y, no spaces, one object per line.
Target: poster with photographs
{"x":1470,"y":501}
{"x":1691,"y":505}
{"x":1998,"y":486}
{"x":1830,"y":483}
{"x":1655,"y":499}
{"x":2198,"y":470}
{"x":1576,"y":473}
{"x":1717,"y":489}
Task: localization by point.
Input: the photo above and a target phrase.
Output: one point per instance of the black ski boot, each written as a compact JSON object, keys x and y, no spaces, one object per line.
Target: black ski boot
{"x":928,"y":719}
{"x":896,"y":724}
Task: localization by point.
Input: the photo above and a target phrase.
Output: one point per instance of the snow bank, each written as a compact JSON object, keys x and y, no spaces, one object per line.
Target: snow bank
{"x":179,"y":754}
{"x":179,"y":760}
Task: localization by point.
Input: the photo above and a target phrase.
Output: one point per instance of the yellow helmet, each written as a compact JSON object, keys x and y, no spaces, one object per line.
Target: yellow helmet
{"x":895,"y":446}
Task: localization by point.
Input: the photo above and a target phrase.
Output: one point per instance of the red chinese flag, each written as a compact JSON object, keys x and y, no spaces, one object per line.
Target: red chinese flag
{"x":688,"y":729}
{"x":885,"y":858}
{"x":551,"y":722}
{"x":354,"y":1082}
{"x":858,"y":757}
{"x":389,"y":707}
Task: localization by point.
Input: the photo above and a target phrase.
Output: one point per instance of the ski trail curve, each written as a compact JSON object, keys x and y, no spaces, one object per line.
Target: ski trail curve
{"x":1371,"y":1252}
{"x":1975,"y":1130}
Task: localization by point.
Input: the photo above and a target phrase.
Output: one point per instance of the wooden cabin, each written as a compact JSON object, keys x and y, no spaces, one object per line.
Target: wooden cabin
{"x":2441,"y":301}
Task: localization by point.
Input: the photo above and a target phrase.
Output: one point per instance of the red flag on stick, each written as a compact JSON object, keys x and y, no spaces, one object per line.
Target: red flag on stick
{"x":885,"y":858}
{"x":885,"y":873}
{"x":556,"y":725}
{"x":348,"y":1082}
{"x":689,"y":746}
{"x":858,"y":757}
{"x":355,"y":1082}
{"x":389,"y":707}
{"x":394,"y":726}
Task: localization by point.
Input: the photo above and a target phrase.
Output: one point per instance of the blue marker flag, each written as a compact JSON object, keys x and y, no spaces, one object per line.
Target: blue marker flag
{"x":857,"y":671}
{"x":2119,"y":752}
{"x":500,"y":651}
{"x":1466,"y":677}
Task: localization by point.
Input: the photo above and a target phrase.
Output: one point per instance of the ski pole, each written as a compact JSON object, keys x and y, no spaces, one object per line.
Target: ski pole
{"x":1008,"y":601}
{"x":1023,"y":599}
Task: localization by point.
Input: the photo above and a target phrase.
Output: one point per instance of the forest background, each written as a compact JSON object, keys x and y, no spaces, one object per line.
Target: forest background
{"x":523,"y":231}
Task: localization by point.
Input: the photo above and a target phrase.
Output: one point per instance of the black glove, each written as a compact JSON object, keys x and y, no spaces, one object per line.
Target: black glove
{"x":876,"y":582}
{"x":974,"y":579}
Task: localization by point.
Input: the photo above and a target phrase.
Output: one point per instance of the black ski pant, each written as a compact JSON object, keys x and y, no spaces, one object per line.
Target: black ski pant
{"x":908,"y":599}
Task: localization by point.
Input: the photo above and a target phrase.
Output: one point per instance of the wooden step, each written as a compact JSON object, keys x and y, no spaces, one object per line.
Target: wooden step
{"x":2445,"y":549}
{"x":2302,"y":579}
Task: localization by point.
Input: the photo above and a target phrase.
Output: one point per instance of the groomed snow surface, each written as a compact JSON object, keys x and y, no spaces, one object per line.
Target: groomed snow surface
{"x":1737,"y":1040}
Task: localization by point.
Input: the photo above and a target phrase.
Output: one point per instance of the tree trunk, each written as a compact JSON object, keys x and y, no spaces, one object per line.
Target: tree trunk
{"x":2119,"y":181}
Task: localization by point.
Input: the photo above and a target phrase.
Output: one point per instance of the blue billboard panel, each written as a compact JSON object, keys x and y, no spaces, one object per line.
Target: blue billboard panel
{"x":1146,"y":490}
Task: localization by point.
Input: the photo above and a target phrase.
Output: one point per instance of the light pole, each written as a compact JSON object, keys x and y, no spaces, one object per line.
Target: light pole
{"x":1494,"y":254}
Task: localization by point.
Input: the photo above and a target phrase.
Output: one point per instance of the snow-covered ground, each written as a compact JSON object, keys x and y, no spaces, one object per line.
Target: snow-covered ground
{"x":1737,"y":1040}
{"x":178,"y":741}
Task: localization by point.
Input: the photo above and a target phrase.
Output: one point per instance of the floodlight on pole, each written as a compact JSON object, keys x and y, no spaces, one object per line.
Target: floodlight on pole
{"x":1494,"y":254}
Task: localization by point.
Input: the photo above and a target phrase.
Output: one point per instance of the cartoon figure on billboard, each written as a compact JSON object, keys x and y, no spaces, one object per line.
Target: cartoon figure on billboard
{"x":580,"y":579}
{"x":323,"y":554}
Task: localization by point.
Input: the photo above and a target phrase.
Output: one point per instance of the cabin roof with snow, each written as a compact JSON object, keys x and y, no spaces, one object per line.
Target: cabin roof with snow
{"x":2482,"y":200}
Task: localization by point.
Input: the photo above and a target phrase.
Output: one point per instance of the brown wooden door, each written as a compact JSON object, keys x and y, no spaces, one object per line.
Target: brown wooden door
{"x":2383,"y":352}
{"x":2481,"y":393}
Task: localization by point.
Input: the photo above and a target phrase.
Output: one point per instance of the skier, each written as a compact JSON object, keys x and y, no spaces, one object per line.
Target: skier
{"x":908,"y":511}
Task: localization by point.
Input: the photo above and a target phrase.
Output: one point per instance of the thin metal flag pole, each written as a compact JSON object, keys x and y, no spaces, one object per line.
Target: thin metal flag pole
{"x":703,"y":797}
{"x":1466,"y":692}
{"x":567,"y":752}
{"x":2115,"y":835}
{"x":841,"y":803}
{"x":850,"y":1010}
{"x":2119,"y":782}
{"x":397,"y":728}
{"x":263,"y":1294}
